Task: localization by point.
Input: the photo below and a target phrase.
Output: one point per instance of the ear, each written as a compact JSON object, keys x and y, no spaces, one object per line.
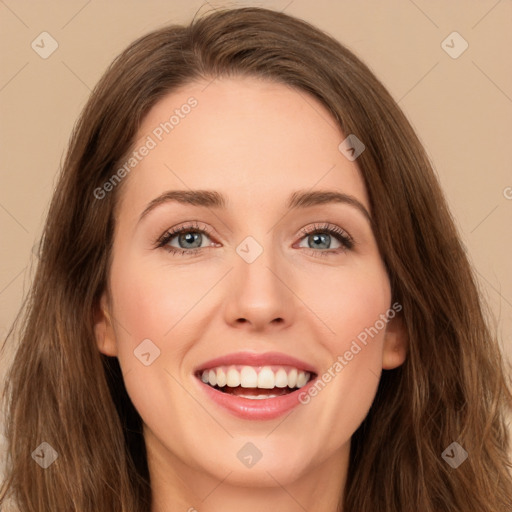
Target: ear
{"x":396,"y":343}
{"x":103,"y":328}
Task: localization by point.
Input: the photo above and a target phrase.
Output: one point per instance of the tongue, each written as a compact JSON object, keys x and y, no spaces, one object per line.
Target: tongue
{"x":256,"y":391}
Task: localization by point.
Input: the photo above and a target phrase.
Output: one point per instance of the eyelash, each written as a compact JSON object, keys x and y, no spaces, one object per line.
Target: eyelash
{"x":342,"y":236}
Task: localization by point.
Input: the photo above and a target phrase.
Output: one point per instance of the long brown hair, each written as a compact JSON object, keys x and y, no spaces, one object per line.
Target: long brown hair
{"x":453,"y":386}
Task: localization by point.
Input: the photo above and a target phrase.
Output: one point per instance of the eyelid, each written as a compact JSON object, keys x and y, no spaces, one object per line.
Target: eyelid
{"x":176,"y":230}
{"x":327,"y":227}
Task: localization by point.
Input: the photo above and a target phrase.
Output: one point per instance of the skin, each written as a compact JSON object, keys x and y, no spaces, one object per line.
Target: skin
{"x":255,"y":142}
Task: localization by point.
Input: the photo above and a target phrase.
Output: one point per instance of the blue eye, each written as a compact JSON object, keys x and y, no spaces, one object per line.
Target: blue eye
{"x":190,"y":238}
{"x":319,"y":236}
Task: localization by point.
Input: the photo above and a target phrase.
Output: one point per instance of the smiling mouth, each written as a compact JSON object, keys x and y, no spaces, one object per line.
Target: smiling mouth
{"x":255,"y":382}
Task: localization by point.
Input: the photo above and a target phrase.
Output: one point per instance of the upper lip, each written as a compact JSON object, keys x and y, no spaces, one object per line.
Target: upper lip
{"x":255,"y":359}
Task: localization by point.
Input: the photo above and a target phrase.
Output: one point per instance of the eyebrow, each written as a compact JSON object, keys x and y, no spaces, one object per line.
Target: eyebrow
{"x":214,"y":199}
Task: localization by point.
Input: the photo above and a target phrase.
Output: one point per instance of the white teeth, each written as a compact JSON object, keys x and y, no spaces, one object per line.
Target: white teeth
{"x":248,"y":377}
{"x":233,"y":378}
{"x":266,"y":379}
{"x":281,"y":379}
{"x":292,"y":378}
{"x":221,"y":377}
{"x":301,"y":379}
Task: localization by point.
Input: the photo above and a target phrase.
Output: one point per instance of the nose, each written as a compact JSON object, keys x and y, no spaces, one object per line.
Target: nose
{"x":260,"y":297}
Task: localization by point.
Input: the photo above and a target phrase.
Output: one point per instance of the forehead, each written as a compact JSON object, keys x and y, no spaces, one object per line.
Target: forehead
{"x":254,"y":141}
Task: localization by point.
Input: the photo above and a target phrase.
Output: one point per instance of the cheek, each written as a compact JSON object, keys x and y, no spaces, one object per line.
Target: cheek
{"x":360,"y":328}
{"x":349,"y":301}
{"x":151,"y":300}
{"x":351,"y":305}
{"x":150,"y":304}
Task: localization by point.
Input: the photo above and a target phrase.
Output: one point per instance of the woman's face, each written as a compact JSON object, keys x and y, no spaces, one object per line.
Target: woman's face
{"x":305,"y":283}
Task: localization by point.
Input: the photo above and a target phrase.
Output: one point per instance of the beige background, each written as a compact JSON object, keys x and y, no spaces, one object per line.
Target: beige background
{"x":461,"y":108}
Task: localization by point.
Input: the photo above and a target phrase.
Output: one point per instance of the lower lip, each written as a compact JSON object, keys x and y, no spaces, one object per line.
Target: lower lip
{"x":256,"y":409}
